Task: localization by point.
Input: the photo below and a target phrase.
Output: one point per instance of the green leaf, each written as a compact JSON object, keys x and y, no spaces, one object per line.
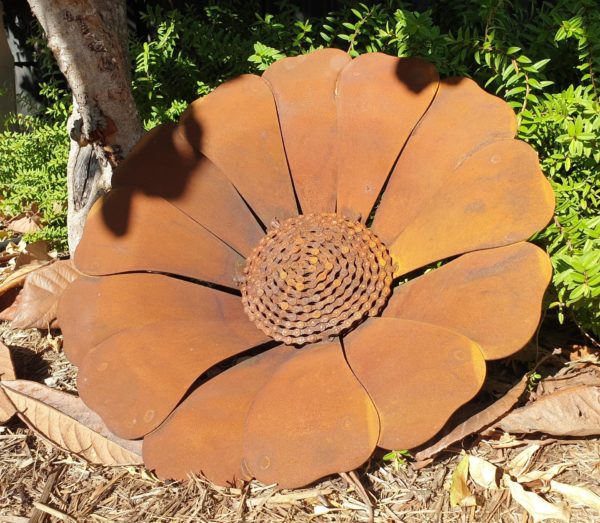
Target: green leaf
{"x":514,"y":90}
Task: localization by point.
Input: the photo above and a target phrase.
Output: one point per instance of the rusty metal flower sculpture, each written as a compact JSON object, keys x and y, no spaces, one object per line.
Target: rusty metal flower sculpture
{"x":244,"y":306}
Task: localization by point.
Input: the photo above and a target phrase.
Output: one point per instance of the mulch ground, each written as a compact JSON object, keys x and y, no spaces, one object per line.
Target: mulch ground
{"x":39,"y":482}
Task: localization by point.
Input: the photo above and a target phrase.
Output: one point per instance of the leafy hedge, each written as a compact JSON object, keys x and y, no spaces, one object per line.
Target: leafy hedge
{"x":542,"y":57}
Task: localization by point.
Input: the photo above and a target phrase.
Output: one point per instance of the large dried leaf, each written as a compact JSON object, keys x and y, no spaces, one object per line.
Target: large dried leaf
{"x":7,"y":372}
{"x":7,"y":369}
{"x":7,"y":409}
{"x":66,"y":422}
{"x":586,"y":375}
{"x":25,"y":253}
{"x":574,"y":411}
{"x":477,"y":422}
{"x":536,"y":506}
{"x":487,"y":475}
{"x":578,"y":495}
{"x":17,"y":278}
{"x":36,"y":305}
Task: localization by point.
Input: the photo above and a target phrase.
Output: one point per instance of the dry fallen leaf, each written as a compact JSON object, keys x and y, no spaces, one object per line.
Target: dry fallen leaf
{"x":519,"y":464}
{"x":459,"y":491}
{"x":25,"y":223}
{"x":17,"y":278}
{"x":542,"y":475}
{"x":7,"y":372}
{"x":574,"y":411}
{"x":483,"y":473}
{"x":478,"y":422}
{"x":23,"y":253}
{"x":36,"y":305}
{"x":537,"y":507}
{"x":65,"y":421}
{"x":579,"y":495}
{"x":586,"y":375}
{"x":14,"y":519}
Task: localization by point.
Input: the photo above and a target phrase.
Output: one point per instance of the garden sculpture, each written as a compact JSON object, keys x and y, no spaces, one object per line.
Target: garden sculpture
{"x":311,"y":264}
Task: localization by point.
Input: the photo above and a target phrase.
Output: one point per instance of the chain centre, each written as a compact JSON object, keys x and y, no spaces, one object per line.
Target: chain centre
{"x":315,"y":276}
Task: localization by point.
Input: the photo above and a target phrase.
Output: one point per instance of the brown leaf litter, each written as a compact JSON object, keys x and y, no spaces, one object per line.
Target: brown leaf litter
{"x":65,"y":421}
{"x":37,"y":303}
{"x":566,"y":404}
{"x":25,"y":223}
{"x":479,"y":421}
{"x":7,"y":372}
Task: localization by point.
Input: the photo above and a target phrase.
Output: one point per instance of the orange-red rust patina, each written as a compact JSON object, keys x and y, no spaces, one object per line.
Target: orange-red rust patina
{"x":244,"y":304}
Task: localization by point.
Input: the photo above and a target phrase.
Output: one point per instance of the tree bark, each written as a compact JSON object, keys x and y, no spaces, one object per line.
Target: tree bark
{"x":89,"y":41}
{"x":7,"y":75}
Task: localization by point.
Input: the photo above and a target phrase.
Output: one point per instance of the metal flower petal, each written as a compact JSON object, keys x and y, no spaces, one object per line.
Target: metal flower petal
{"x":236,"y":126}
{"x":134,"y":369}
{"x":254,"y":213}
{"x":312,"y":418}
{"x":163,"y":163}
{"x":95,"y":309}
{"x":475,"y":296}
{"x":304,"y":89}
{"x":380,"y":99}
{"x":462,"y":183}
{"x":136,"y":232}
{"x":286,"y":416}
{"x":205,"y":434}
{"x":417,"y":382}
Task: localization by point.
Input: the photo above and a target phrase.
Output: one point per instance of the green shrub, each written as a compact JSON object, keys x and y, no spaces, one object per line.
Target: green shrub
{"x":33,"y":166}
{"x":542,"y":57}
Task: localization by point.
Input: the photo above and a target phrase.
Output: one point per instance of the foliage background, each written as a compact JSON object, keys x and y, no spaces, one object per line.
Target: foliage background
{"x":542,"y":57}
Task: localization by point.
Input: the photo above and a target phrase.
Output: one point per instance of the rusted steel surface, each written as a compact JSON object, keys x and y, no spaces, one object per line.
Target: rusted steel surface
{"x":206,"y":432}
{"x":334,"y":382}
{"x":491,"y":296}
{"x":130,"y":231}
{"x":163,"y":163}
{"x":136,"y":377}
{"x":304,"y":90}
{"x":236,"y":126}
{"x":95,"y":309}
{"x":482,"y":207}
{"x":380,"y":99}
{"x":461,"y":119}
{"x":315,"y":276}
{"x":312,"y":418}
{"x":446,"y":368}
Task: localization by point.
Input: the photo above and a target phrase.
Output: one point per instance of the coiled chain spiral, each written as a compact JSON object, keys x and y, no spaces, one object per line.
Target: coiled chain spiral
{"x":315,"y":276}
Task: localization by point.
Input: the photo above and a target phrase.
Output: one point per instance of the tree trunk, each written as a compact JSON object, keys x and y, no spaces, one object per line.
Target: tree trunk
{"x":7,"y":75}
{"x":89,"y":41}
